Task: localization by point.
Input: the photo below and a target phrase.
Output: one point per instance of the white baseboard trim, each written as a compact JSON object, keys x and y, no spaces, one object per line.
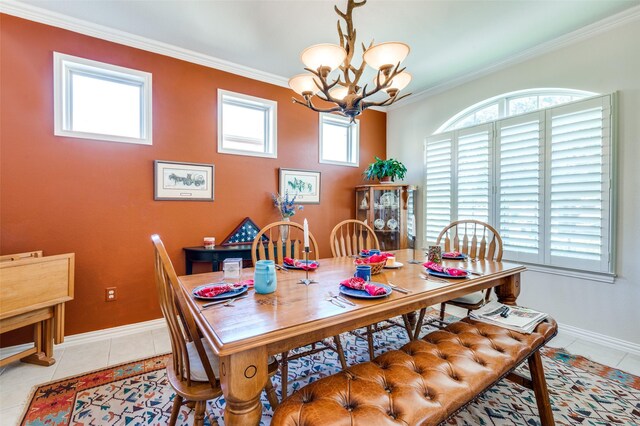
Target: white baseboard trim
{"x":94,"y":336}
{"x":601,"y":339}
{"x":148,"y":326}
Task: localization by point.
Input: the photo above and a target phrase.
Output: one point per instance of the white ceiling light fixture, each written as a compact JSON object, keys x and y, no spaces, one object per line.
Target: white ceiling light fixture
{"x":349,"y":98}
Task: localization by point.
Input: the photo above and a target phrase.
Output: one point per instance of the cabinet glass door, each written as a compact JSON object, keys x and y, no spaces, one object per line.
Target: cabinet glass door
{"x":386,"y":217}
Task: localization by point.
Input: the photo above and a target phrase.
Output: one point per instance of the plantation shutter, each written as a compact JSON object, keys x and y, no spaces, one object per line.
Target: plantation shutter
{"x":519,"y":186}
{"x":473,"y":173}
{"x":438,"y":184}
{"x":578,"y":196}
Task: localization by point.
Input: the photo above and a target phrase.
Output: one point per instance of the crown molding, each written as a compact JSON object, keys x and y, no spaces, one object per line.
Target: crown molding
{"x":36,"y":14}
{"x":584,"y":33}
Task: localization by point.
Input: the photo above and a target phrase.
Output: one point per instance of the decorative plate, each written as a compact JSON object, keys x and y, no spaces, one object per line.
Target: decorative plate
{"x":362,"y":294}
{"x":444,"y":275}
{"x":379,"y":223}
{"x":228,"y":295}
{"x":392,"y":224}
{"x":388,"y":199}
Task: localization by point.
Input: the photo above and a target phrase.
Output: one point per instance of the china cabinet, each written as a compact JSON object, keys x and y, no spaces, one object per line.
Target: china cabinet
{"x":389,"y":210}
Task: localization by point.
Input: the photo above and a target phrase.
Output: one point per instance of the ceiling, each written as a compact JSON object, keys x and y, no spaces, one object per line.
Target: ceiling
{"x":449,"y":39}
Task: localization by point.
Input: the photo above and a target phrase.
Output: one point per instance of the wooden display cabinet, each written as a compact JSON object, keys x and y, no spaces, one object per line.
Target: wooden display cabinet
{"x":389,"y":210}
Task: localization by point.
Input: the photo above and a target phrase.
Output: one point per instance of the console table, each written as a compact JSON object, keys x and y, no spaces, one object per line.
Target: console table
{"x":216,"y":255}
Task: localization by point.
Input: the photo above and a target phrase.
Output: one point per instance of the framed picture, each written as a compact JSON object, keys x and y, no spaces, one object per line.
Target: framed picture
{"x":183,"y":181}
{"x":304,"y":184}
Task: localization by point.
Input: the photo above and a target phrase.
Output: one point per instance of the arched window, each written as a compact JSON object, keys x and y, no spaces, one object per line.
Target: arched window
{"x":509,"y":104}
{"x":536,"y":165}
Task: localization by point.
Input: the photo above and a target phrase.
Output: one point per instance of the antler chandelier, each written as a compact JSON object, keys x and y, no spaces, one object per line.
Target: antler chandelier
{"x":349,"y":98}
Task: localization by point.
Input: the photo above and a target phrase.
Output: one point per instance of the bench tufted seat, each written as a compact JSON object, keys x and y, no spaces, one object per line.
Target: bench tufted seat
{"x":423,"y":383}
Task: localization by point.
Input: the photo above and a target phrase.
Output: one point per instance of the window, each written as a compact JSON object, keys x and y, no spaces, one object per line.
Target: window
{"x":510,"y":104}
{"x":94,"y":100}
{"x":246,"y":125}
{"x":339,"y":140}
{"x":542,"y":178}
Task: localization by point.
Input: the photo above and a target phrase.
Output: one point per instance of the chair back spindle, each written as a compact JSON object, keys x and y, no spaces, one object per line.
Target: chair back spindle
{"x":351,"y":236}
{"x":285,"y":239}
{"x":462,"y":236}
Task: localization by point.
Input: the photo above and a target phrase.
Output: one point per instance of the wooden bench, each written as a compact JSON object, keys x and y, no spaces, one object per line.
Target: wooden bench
{"x":426,"y":381}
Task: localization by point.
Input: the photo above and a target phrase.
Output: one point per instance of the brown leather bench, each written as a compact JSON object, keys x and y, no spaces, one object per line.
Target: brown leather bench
{"x":426,"y":381}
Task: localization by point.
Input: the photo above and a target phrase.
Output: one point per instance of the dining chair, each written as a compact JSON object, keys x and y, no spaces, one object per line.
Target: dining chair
{"x":276,"y":241}
{"x":478,"y":241}
{"x":351,"y":236}
{"x":193,"y":368}
{"x":348,"y":238}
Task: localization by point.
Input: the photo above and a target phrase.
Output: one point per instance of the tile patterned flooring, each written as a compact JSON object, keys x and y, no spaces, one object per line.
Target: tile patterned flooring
{"x":17,"y":379}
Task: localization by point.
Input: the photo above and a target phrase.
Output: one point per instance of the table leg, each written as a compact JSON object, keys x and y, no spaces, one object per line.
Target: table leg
{"x":508,"y":293}
{"x":43,"y":339}
{"x":242,"y":377}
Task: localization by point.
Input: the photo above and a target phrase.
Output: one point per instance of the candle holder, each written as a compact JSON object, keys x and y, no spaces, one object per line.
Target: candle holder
{"x":306,"y":280}
{"x":414,"y":261}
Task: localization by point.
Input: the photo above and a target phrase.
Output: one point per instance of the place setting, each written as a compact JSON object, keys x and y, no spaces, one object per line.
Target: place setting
{"x":221,"y":293}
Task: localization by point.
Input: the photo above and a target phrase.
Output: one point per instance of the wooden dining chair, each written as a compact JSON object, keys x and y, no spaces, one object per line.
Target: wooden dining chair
{"x":285,"y":239}
{"x":351,"y":236}
{"x":479,"y":241}
{"x":193,"y":369}
{"x":348,"y":238}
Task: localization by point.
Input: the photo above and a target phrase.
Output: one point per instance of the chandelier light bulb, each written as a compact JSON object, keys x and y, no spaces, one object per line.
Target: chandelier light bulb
{"x":385,"y":56}
{"x":400,"y":81}
{"x":304,"y":84}
{"x":323,"y":57}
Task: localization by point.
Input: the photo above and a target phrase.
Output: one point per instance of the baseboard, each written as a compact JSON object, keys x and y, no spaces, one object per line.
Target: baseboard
{"x":94,"y":336}
{"x":601,"y":339}
{"x":125,"y":330}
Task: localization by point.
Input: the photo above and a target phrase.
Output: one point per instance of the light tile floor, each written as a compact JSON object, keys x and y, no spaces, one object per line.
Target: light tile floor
{"x":17,"y":379}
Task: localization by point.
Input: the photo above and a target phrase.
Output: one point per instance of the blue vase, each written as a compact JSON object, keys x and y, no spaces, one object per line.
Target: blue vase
{"x":264,"y":277}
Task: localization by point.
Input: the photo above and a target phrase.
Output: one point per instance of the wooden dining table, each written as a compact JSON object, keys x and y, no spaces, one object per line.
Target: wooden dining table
{"x":247,"y":332}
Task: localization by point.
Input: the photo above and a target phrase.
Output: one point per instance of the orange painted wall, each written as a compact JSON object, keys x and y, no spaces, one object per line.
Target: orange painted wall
{"x":95,"y":198}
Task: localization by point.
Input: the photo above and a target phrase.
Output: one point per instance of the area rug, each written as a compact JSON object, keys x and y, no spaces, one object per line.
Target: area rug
{"x":582,"y":392}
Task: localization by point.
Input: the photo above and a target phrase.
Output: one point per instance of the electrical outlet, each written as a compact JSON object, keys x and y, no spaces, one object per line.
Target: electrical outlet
{"x":110,"y":294}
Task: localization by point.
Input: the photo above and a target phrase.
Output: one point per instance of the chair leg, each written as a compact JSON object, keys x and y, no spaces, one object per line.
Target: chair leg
{"x":407,"y":326}
{"x":370,"y":342}
{"x":540,"y":389}
{"x":271,"y":394}
{"x":199,"y":414}
{"x":442,"y":307}
{"x":338,"y":343}
{"x":284,"y":374}
{"x":175,"y":410}
{"x":418,"y":328}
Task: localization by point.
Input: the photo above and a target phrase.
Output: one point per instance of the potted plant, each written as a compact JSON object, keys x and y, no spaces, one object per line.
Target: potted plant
{"x":385,"y":170}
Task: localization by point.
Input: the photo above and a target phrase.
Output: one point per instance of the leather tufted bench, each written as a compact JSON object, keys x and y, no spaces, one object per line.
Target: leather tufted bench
{"x":426,"y":381}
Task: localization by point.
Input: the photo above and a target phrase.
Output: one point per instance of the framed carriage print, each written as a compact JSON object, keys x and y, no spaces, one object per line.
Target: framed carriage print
{"x":304,"y":184}
{"x":183,"y":181}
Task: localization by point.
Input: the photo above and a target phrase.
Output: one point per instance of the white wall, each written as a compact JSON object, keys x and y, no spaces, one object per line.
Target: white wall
{"x":604,"y":63}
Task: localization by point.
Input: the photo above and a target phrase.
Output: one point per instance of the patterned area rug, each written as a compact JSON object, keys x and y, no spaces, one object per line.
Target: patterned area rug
{"x":582,"y":392}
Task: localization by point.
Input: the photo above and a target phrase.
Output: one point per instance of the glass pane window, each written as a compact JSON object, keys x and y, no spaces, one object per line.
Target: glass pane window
{"x":542,"y":179}
{"x":246,"y":125}
{"x":94,"y":100}
{"x":339,"y":140}
{"x":522,"y":105}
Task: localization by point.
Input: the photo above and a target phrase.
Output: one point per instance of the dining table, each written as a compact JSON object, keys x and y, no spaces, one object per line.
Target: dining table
{"x":250,"y":329}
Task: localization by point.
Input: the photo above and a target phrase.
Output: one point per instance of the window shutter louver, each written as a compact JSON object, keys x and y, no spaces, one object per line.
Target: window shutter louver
{"x":578,"y":190}
{"x":438,"y":185}
{"x":473,"y":173}
{"x":519,"y":186}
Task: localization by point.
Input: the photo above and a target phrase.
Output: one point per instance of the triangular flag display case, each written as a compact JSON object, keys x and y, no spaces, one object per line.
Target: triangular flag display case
{"x":243,"y":234}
